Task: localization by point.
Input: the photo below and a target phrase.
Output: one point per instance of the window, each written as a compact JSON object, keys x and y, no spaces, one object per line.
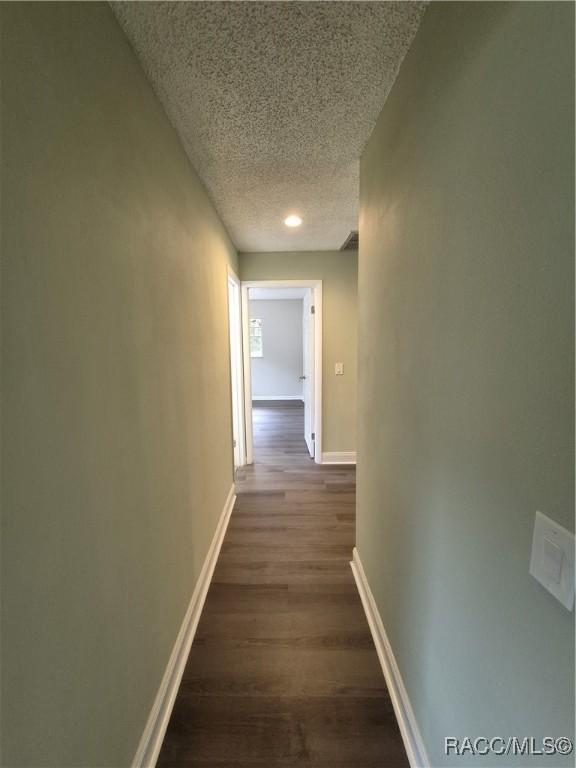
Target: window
{"x":256,"y":338}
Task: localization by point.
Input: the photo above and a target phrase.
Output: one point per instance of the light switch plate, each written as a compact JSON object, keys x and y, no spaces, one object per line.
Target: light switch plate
{"x":339,"y":369}
{"x":552,"y":561}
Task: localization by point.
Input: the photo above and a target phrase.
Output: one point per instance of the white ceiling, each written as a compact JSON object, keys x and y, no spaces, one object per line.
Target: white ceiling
{"x":265,"y":294}
{"x":273,"y":102}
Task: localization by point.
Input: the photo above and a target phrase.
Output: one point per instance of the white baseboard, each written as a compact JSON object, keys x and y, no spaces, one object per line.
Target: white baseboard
{"x":151,"y":741}
{"x":411,"y":735}
{"x":339,"y":457}
{"x":277,"y":397}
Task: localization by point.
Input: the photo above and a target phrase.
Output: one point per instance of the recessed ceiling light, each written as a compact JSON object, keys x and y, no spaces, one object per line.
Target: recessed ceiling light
{"x":293,"y":221}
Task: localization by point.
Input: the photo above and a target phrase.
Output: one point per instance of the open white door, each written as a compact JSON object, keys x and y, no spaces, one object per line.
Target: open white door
{"x":236,"y":374}
{"x":308,"y":388}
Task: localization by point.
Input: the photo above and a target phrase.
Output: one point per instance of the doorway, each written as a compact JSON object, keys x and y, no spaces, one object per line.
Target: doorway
{"x":297,"y":377}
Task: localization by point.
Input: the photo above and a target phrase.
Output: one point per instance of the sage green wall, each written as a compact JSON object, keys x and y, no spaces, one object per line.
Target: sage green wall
{"x":338,"y":271}
{"x":117,"y":455}
{"x":466,"y":368}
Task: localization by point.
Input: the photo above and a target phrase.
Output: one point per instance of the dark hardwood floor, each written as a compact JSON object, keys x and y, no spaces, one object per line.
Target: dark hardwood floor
{"x":283,"y":671}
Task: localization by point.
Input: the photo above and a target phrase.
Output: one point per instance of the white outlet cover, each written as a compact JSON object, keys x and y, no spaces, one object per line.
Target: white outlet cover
{"x":552,"y":561}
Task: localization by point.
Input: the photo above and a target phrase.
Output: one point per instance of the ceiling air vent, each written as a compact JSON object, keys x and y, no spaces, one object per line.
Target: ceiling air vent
{"x":351,"y":242}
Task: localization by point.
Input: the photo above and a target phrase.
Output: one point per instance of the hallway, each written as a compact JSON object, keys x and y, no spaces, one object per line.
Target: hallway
{"x":283,"y":670}
{"x":212,"y":210}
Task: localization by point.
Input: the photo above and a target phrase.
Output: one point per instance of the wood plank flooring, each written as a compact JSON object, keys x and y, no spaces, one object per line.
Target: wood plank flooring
{"x":283,"y":671}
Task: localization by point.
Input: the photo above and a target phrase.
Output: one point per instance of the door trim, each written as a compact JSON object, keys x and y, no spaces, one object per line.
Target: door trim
{"x":316,"y":286}
{"x":237,"y":376}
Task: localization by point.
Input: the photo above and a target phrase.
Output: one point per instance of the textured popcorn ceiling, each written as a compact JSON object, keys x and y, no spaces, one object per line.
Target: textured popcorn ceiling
{"x":274,"y":102}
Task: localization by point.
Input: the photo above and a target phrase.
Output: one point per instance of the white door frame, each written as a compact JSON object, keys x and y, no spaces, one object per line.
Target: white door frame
{"x":236,"y":366}
{"x":316,"y":286}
